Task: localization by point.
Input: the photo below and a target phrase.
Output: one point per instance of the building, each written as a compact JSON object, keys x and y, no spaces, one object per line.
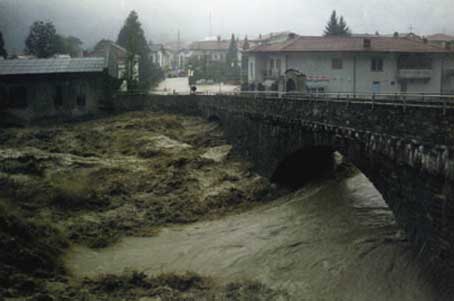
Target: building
{"x":273,"y":37}
{"x":60,"y":87}
{"x":119,"y":61}
{"x":163,"y":57}
{"x":441,"y":39}
{"x":183,"y":57}
{"x":354,"y":65}
{"x":214,"y":50}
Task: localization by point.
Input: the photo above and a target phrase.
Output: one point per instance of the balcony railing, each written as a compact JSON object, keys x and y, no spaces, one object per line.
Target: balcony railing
{"x":415,"y":74}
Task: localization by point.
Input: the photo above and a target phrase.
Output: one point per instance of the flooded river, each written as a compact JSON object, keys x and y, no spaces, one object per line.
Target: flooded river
{"x":331,"y":241}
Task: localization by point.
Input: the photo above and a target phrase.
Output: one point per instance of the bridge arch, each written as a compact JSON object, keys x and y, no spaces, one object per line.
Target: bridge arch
{"x":290,"y":85}
{"x":273,"y":142}
{"x":305,"y":164}
{"x":214,"y":118}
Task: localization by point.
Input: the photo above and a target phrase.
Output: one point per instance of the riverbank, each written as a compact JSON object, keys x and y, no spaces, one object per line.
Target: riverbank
{"x":94,"y":182}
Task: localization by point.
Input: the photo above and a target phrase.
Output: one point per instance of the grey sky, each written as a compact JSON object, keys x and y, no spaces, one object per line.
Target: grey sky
{"x":95,"y":19}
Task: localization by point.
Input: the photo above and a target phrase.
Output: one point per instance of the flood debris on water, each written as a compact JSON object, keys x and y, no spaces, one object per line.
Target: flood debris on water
{"x":126,"y":175}
{"x":96,"y":181}
{"x":138,"y":286}
{"x":30,"y":253}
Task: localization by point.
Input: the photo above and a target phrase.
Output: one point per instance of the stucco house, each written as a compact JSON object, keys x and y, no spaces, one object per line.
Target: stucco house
{"x":59,"y":87}
{"x":354,"y":65}
{"x":163,"y":57}
{"x":118,"y":59}
{"x":441,"y":39}
{"x":214,"y":50}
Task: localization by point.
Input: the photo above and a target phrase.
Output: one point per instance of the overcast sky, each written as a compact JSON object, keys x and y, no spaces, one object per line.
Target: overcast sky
{"x":95,"y":19}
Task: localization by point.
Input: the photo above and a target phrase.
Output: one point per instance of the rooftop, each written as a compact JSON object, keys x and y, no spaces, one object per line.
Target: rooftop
{"x":54,"y":65}
{"x":350,"y":44}
{"x":440,"y":37}
{"x":210,"y":45}
{"x":214,"y":45}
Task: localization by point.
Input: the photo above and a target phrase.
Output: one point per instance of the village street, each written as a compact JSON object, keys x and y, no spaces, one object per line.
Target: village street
{"x":180,"y":85}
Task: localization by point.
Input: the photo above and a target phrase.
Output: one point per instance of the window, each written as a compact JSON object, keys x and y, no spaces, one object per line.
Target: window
{"x":58,"y":97}
{"x":336,"y":63}
{"x":18,"y":98}
{"x":377,"y":65}
{"x":278,"y":67}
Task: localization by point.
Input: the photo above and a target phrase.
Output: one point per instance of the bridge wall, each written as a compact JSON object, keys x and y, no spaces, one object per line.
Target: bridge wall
{"x":406,"y":152}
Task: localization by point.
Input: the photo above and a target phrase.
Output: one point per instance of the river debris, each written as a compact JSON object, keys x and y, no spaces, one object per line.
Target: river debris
{"x":126,"y":175}
{"x":138,"y":286}
{"x":96,"y":181}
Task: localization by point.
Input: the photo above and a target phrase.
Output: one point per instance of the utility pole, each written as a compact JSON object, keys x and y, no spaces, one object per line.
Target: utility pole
{"x":178,"y":41}
{"x":210,"y":31}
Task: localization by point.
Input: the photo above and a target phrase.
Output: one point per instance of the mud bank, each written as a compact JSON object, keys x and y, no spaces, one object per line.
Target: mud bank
{"x":93,"y":182}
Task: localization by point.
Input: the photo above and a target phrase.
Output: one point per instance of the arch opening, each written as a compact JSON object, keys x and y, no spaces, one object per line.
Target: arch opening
{"x":290,"y":85}
{"x":304,"y":165}
{"x":214,"y":118}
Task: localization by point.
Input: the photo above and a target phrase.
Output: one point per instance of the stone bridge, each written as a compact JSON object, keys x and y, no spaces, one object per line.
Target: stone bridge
{"x":406,"y":149}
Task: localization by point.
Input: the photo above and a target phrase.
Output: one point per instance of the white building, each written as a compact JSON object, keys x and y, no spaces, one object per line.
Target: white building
{"x":214,"y":50}
{"x":118,"y":60}
{"x":162,"y":56}
{"x":354,"y":65}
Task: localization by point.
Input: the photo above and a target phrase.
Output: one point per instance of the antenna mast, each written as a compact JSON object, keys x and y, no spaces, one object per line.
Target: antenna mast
{"x":210,"y":32}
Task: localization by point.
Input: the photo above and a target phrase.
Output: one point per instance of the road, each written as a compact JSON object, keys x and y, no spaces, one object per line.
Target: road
{"x":180,"y":85}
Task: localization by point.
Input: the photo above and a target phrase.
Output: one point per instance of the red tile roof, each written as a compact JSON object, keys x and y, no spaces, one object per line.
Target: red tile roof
{"x":214,"y":45}
{"x":349,"y":44}
{"x":440,"y":37}
{"x":210,"y":45}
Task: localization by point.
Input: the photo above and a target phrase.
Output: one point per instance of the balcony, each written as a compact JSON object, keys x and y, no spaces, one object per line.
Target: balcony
{"x":414,"y":74}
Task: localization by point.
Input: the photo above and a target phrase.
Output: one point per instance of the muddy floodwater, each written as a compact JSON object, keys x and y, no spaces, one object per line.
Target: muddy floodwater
{"x":335,"y":240}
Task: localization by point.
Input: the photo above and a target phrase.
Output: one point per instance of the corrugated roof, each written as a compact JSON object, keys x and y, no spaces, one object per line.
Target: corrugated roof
{"x":349,"y":44}
{"x":54,"y":65}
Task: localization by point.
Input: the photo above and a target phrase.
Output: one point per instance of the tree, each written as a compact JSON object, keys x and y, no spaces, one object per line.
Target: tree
{"x":71,"y":45}
{"x":132,"y":38}
{"x":331,"y":27}
{"x":42,"y":41}
{"x":232,"y":69}
{"x":246,"y":45}
{"x":343,"y":29}
{"x":244,"y":61}
{"x":3,"y":52}
{"x":336,"y":27}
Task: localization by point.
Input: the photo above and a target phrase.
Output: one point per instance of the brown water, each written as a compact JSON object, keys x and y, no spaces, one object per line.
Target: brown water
{"x":332,"y":241}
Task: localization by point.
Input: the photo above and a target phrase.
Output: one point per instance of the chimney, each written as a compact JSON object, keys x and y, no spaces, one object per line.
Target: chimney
{"x":291,"y":36}
{"x":219,"y":38}
{"x":367,"y":43}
